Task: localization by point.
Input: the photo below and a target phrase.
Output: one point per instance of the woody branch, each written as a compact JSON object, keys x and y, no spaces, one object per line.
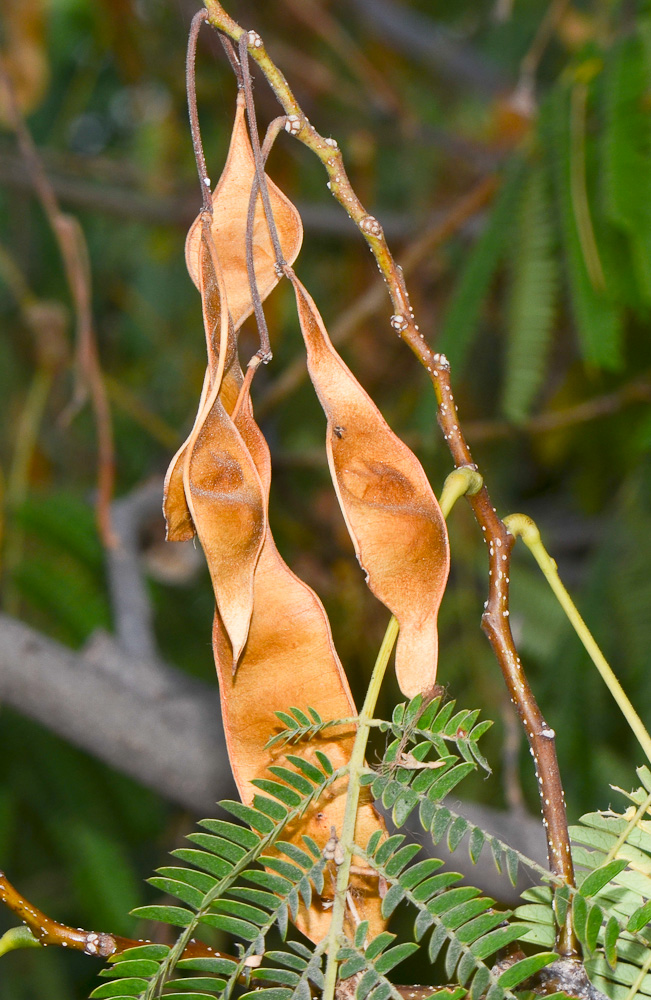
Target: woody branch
{"x":495,"y":621}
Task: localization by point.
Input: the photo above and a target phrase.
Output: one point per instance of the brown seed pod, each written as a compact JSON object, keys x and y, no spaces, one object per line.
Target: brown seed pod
{"x":290,"y":658}
{"x":230,"y":208}
{"x":392,"y":515}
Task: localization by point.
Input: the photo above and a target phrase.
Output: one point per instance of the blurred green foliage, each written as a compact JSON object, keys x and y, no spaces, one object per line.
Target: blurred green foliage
{"x":542,"y":301}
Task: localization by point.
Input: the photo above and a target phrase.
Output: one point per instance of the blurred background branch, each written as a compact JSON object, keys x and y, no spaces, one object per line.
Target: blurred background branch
{"x":489,"y":192}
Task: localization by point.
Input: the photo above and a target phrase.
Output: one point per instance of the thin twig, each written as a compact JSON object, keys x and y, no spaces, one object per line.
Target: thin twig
{"x":495,"y":620}
{"x":97,"y":944}
{"x":373,"y":299}
{"x":74,"y":253}
{"x":636,"y":391}
{"x":191,"y":90}
{"x":542,"y":38}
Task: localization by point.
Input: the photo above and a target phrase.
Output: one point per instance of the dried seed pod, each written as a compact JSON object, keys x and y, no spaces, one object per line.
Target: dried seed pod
{"x":224,"y":496}
{"x":290,"y":658}
{"x":392,"y":515}
{"x":212,"y":485}
{"x":220,"y":346}
{"x":230,"y":209}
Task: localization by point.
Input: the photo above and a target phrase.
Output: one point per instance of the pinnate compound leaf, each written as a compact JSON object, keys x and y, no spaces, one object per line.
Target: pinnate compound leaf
{"x":391,"y":513}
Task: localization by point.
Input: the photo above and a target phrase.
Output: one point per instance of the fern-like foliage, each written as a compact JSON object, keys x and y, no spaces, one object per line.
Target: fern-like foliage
{"x":457,"y":916}
{"x":532,"y":300}
{"x":598,"y":321}
{"x":611,"y":910}
{"x":419,"y":771}
{"x":237,"y":885}
{"x":233,"y":886}
{"x":461,"y":320}
{"x":626,"y":151}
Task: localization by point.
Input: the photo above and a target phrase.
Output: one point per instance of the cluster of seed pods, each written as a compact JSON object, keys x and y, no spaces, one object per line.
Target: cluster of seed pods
{"x":272,"y":641}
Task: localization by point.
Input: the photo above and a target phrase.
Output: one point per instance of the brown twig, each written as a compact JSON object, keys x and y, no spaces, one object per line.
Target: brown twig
{"x":74,"y":253}
{"x":191,"y":90}
{"x":374,"y":298}
{"x":495,"y":620}
{"x":97,"y":944}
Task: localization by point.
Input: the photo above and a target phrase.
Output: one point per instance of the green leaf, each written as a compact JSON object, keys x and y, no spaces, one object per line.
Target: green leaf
{"x":494,"y":940}
{"x":196,"y":983}
{"x":219,"y":846}
{"x":599,"y":878}
{"x":461,"y":320}
{"x":598,"y":321}
{"x":17,"y":937}
{"x":393,"y":898}
{"x":178,"y":916}
{"x":639,"y":919}
{"x":200,"y":880}
{"x":186,"y":893}
{"x":248,"y":815}
{"x":219,"y":966}
{"x":231,"y":831}
{"x":231,"y":925}
{"x":121,"y":988}
{"x":156,"y":952}
{"x":593,"y":926}
{"x":143,"y":968}
{"x":311,"y":772}
{"x":281,"y":792}
{"x":512,"y":866}
{"x":579,"y":916}
{"x":527,"y":967}
{"x":456,"y":833}
{"x":444,"y":785}
{"x":611,"y":934}
{"x":532,"y":300}
{"x":389,"y":959}
{"x":476,"y":843}
{"x":201,"y":859}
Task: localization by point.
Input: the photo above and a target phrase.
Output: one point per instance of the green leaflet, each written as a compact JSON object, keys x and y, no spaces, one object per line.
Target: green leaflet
{"x":457,"y":916}
{"x":461,"y":320}
{"x":532,"y":298}
{"x":626,"y":151}
{"x":597,"y":319}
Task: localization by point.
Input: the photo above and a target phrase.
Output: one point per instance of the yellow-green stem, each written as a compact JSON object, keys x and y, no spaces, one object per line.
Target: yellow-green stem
{"x":523,"y":526}
{"x":356,"y":767}
{"x":464,"y":479}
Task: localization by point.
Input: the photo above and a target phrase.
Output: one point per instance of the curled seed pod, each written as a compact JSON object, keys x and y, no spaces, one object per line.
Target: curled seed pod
{"x":290,"y":656}
{"x":230,"y":209}
{"x":213,"y":486}
{"x":220,"y":346}
{"x":392,"y":515}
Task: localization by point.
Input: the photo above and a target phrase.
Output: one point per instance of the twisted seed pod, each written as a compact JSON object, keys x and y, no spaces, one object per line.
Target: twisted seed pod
{"x":392,"y":515}
{"x":218,"y":246}
{"x":290,"y":657}
{"x":230,"y":208}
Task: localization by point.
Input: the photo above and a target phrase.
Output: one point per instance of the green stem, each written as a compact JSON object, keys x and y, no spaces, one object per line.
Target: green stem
{"x":463,"y":480}
{"x":523,"y":526}
{"x":347,"y":838}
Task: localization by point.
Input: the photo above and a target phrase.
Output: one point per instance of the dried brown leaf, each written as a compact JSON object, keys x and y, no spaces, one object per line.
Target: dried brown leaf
{"x":392,"y":515}
{"x":290,"y":659}
{"x":230,"y":208}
